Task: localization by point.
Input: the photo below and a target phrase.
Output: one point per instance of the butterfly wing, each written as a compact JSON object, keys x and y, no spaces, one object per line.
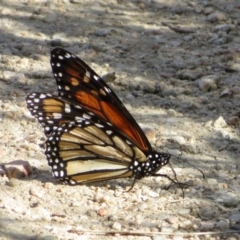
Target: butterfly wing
{"x":78,"y":83}
{"x":51,"y":111}
{"x":86,"y":151}
{"x":84,"y":148}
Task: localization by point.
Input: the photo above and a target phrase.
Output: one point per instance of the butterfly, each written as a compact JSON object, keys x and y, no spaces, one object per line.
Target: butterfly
{"x":91,"y":136}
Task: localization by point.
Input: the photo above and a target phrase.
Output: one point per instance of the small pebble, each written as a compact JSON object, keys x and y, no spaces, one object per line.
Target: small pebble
{"x":117,"y":226}
{"x":17,"y":169}
{"x":216,"y":17}
{"x":207,"y":83}
{"x":227,"y":92}
{"x":223,"y":224}
{"x":219,"y":123}
{"x":37,"y":192}
{"x":102,"y":212}
{"x":233,"y":121}
{"x":184,"y":211}
{"x":102,"y":32}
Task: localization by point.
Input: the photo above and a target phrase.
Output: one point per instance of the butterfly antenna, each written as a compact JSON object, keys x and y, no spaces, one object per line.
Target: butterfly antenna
{"x":184,"y":160}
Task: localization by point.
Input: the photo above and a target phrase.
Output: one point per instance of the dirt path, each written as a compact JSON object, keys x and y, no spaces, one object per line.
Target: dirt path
{"x":177,"y":65}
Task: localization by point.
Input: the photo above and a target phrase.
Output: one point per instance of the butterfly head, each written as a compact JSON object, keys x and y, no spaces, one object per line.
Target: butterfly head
{"x":154,"y":163}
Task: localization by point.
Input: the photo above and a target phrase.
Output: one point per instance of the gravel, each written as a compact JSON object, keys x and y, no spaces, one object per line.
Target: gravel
{"x":175,"y":66}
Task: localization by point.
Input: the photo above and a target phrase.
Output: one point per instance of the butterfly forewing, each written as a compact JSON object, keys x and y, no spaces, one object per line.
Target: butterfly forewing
{"x":79,"y":83}
{"x":51,"y":111}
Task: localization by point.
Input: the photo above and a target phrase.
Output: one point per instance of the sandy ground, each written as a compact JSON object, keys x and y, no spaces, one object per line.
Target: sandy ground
{"x":177,"y":69}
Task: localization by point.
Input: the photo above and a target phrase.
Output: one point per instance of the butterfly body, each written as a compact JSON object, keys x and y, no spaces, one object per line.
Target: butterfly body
{"x":90,"y":134}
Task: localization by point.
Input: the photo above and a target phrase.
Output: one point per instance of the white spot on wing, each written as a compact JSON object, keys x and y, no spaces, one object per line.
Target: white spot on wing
{"x":57,"y":115}
{"x":107,"y":89}
{"x":67,"y":108}
{"x":61,"y":173}
{"x":42,"y":95}
{"x":99,"y":125}
{"x":86,"y":116}
{"x":78,"y":119}
{"x":67,"y":55}
{"x":78,"y":107}
{"x":96,"y":77}
{"x":109,"y":132}
{"x":88,"y":74}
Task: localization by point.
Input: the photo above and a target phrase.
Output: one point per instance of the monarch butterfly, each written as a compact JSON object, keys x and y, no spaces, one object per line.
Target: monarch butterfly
{"x":91,"y":136}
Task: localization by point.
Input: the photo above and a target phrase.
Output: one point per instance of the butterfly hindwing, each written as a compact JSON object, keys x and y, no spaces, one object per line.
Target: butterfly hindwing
{"x":86,"y":151}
